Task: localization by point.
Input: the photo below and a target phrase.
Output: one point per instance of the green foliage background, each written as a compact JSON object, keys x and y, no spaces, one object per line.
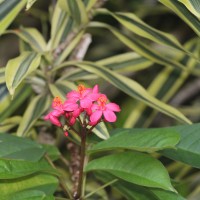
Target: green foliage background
{"x":145,"y":57}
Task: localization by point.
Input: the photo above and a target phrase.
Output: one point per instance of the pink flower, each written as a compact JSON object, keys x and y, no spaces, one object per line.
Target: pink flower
{"x":53,"y":117}
{"x":56,"y":113}
{"x":102,"y":109}
{"x":84,"y":97}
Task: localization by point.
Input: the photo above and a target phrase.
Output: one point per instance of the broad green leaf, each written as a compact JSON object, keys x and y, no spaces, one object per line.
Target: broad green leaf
{"x":32,"y":37}
{"x":2,"y":75}
{"x":137,"y":26}
{"x":193,"y":6}
{"x":8,"y":106}
{"x":142,"y":49}
{"x":35,"y":109}
{"x":30,"y":195}
{"x":19,"y":68}
{"x":52,"y":151}
{"x":29,"y":4}
{"x":9,"y":123}
{"x":130,"y":166}
{"x":12,"y":169}
{"x":8,"y":11}
{"x":188,"y":149}
{"x":61,"y":25}
{"x":136,"y":192}
{"x":131,"y":88}
{"x":40,"y":182}
{"x":148,"y":140}
{"x":17,"y":148}
{"x":184,"y":14}
{"x":76,"y":9}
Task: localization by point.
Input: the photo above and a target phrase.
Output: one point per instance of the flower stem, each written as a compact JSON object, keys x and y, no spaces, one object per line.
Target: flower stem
{"x":78,"y":193}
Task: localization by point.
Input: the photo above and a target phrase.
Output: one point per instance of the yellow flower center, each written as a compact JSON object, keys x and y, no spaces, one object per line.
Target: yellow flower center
{"x":57,"y":101}
{"x":81,"y":88}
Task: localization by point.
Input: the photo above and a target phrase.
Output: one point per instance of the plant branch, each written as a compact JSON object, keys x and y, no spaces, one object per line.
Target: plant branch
{"x":78,"y":193}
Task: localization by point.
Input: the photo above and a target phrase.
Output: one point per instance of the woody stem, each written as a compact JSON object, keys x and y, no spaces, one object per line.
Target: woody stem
{"x":78,"y":193}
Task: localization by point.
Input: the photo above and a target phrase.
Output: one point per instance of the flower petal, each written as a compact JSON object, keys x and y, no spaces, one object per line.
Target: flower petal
{"x":95,"y":89}
{"x":73,"y":94}
{"x":54,"y":120}
{"x":109,"y":116}
{"x":96,"y":116}
{"x":85,"y":103}
{"x":113,"y":107}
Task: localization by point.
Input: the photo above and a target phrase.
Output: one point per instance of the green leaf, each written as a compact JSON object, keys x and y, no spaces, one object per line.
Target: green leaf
{"x":143,"y":49}
{"x":164,"y":86}
{"x":30,"y":195}
{"x":8,"y":105}
{"x":130,"y":166}
{"x":125,"y":62}
{"x":188,"y":149}
{"x":41,"y":182}
{"x":9,"y":123}
{"x":101,"y":131}
{"x":137,"y":26}
{"x":2,"y":75}
{"x":61,"y":24}
{"x":19,"y":68}
{"x":32,"y":37}
{"x":61,"y":88}
{"x":52,"y":152}
{"x":17,"y":148}
{"x":193,"y":6}
{"x":130,"y":87}
{"x":12,"y":169}
{"x":148,"y":140}
{"x":136,"y":192}
{"x":76,"y":9}
{"x":184,"y":14}
{"x":35,"y":109}
{"x":29,"y":4}
{"x":8,"y":11}
{"x":65,"y":53}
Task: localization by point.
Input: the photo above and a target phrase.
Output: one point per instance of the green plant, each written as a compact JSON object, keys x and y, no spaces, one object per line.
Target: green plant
{"x":51,"y":62}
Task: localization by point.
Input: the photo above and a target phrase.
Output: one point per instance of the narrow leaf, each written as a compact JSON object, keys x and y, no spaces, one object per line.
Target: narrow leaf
{"x":184,"y":14}
{"x":193,"y":6}
{"x":130,"y":166}
{"x":76,"y":9}
{"x":8,"y":11}
{"x":19,"y":68}
{"x":133,"y":89}
{"x":2,"y":75}
{"x":137,"y":26}
{"x":35,"y":109}
{"x":32,"y":37}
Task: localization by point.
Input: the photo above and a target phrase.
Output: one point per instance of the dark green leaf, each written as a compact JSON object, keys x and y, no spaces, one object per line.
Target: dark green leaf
{"x":13,"y":147}
{"x":134,"y":167}
{"x":148,"y":140}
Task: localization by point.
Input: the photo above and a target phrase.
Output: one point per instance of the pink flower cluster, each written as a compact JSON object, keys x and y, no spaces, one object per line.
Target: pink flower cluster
{"x":87,"y":101}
